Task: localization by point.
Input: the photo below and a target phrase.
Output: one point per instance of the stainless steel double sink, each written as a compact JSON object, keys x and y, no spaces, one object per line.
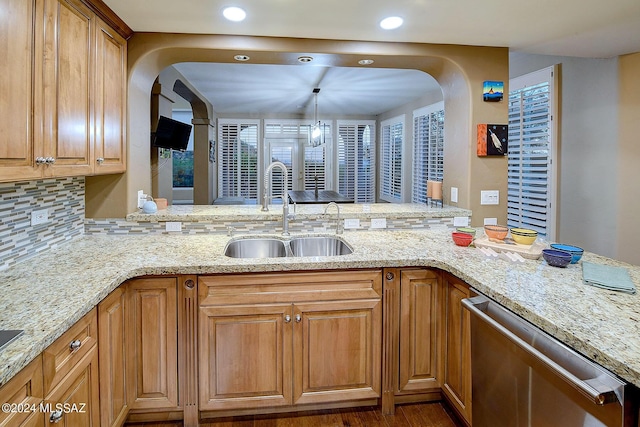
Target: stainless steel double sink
{"x":268,"y":247}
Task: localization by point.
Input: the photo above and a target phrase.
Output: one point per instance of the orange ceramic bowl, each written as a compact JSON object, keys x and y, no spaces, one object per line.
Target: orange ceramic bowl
{"x":498,"y":232}
{"x":461,"y":239}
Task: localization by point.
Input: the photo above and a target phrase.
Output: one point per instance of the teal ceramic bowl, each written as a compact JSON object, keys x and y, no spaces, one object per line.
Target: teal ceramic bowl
{"x":575,"y":251}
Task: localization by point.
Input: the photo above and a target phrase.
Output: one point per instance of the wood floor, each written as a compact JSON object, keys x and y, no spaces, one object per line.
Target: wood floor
{"x":409,"y":415}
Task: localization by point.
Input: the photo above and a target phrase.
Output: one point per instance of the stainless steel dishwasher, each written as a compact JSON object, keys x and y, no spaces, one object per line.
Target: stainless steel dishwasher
{"x":522,"y":376}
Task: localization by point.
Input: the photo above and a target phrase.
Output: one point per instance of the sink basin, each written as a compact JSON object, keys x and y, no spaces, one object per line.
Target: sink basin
{"x":318,"y":246}
{"x":256,"y":248}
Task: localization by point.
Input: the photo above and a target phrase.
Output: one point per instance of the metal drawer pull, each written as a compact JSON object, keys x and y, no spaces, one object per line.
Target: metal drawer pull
{"x":76,"y":344}
{"x":56,"y":416}
{"x":298,"y":318}
{"x":287,"y":318}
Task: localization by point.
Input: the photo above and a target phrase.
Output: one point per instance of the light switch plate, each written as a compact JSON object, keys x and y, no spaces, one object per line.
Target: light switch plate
{"x":173,"y":226}
{"x":454,"y":194}
{"x":378,"y":222}
{"x":350,"y":223}
{"x":490,"y":197}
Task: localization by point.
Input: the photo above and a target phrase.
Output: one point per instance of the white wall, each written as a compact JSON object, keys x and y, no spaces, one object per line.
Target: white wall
{"x":588,"y":148}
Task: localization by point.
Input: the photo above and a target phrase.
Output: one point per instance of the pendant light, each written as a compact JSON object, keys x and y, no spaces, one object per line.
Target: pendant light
{"x":317,"y":130}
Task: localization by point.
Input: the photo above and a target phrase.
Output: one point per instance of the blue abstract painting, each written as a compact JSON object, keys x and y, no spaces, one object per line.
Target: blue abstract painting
{"x":493,"y":91}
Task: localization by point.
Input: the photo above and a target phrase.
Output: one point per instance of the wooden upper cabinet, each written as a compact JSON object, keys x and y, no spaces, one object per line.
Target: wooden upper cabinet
{"x":18,"y":133}
{"x":110,"y":100}
{"x":68,"y":88}
{"x":62,"y":91}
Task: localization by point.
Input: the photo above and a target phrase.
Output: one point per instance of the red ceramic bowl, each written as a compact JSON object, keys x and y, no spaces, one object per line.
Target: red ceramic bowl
{"x":461,"y":239}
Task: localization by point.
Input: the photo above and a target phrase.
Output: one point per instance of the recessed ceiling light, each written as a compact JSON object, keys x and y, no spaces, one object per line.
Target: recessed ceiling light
{"x":241,"y":58}
{"x":305,"y":59}
{"x":391,"y":23}
{"x":365,"y":62}
{"x":235,"y":14}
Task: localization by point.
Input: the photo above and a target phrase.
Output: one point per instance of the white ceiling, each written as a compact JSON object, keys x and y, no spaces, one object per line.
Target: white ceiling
{"x":584,"y":28}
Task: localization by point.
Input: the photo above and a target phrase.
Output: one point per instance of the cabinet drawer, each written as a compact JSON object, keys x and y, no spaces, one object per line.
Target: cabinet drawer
{"x":61,"y":356}
{"x":25,"y":390}
{"x":289,"y":287}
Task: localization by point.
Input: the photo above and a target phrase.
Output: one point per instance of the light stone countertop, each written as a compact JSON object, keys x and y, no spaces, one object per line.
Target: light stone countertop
{"x":199,"y":213}
{"x":48,"y":294}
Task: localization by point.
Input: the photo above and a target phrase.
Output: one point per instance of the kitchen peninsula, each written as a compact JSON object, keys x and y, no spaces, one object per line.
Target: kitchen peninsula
{"x":46,"y":295}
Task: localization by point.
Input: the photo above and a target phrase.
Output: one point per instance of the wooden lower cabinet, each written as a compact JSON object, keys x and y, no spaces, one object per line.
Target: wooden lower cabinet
{"x":25,"y":389}
{"x":277,"y":340}
{"x":75,"y":400}
{"x":112,"y":330}
{"x":245,"y":352}
{"x":152,"y":343}
{"x":457,"y":348}
{"x":413,"y":368}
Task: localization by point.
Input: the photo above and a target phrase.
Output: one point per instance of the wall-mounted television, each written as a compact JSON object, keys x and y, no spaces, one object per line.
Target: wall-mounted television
{"x":171,"y":134}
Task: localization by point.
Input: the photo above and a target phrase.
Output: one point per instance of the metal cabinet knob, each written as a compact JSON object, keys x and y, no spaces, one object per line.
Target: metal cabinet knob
{"x":74,"y":345}
{"x":390,"y":276}
{"x":49,"y":160}
{"x":189,"y":283}
{"x":100,"y":160}
{"x":298,"y":318}
{"x":56,"y":416}
{"x":40,"y":160}
{"x":287,"y":318}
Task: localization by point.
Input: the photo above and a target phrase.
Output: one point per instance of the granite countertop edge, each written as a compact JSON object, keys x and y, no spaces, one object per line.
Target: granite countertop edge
{"x":48,"y":294}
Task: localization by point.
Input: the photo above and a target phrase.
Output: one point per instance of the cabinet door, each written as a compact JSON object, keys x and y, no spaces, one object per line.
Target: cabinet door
{"x":420,"y":330}
{"x":68,"y":119}
{"x":457,"y":349}
{"x":337,"y":351}
{"x":75,"y":401}
{"x":113,"y":371}
{"x":245,"y":356}
{"x":110,"y":100}
{"x":20,"y":41}
{"x":152,"y":343}
{"x":23,"y":389}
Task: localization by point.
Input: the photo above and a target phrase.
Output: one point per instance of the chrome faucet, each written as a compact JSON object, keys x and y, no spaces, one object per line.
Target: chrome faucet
{"x":338,"y":228}
{"x":283,"y":196}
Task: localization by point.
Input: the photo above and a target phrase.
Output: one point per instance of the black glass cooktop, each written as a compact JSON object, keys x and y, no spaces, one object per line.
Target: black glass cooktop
{"x":7,"y":336}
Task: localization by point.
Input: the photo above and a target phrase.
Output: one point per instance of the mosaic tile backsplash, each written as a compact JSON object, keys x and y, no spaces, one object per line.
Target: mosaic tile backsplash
{"x":64,"y":201}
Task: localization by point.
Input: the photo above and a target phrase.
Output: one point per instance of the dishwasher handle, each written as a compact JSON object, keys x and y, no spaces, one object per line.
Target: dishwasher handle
{"x":603,"y":396}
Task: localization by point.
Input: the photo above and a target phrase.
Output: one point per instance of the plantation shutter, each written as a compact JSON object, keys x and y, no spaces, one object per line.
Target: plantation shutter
{"x":530,"y":189}
{"x":428,"y":149}
{"x":391,"y":173}
{"x":356,"y":160}
{"x":238,"y":157}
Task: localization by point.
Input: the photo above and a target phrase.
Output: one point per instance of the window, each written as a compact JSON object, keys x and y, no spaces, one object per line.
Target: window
{"x":391,"y":170}
{"x":238,"y":157}
{"x":428,"y":149}
{"x":356,"y":160}
{"x":183,"y":160}
{"x":531,"y":186}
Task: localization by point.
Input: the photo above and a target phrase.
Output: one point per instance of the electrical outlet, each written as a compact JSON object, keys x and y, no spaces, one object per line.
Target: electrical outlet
{"x":39,"y":217}
{"x":454,"y":194}
{"x":141,"y":198}
{"x":172,"y":226}
{"x":491,"y":197}
{"x":378,"y":222}
{"x":491,"y":221}
{"x":350,"y":223}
